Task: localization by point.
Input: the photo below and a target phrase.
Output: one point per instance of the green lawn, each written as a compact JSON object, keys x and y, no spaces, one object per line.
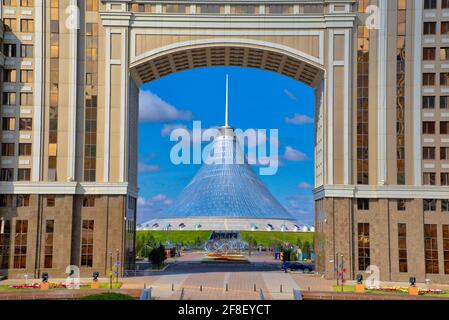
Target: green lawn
{"x":185,"y":237}
{"x":273,"y":237}
{"x":261,"y":237}
{"x":108,"y":296}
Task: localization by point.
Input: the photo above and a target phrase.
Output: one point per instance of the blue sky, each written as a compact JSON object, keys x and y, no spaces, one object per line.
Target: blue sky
{"x":257,"y":99}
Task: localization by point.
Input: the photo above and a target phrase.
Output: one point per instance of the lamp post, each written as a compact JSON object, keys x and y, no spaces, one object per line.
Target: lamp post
{"x":110,"y":274}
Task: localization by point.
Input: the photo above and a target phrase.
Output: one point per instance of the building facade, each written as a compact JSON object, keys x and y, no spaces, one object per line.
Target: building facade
{"x":70,"y":79}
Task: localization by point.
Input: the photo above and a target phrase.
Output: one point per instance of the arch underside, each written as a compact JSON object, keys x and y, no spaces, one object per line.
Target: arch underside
{"x":226,"y":55}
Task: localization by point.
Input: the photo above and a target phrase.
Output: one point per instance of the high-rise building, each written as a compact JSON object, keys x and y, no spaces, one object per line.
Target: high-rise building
{"x":380,"y":70}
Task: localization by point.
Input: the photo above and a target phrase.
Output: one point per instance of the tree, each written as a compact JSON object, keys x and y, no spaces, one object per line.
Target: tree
{"x":144,"y":244}
{"x":306,"y":250}
{"x":157,"y":256}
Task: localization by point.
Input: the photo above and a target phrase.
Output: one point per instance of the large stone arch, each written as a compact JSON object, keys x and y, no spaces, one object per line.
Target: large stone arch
{"x":241,"y":52}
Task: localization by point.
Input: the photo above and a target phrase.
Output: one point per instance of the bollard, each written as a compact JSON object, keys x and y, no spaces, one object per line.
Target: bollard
{"x":172,"y":287}
{"x":201,"y":287}
{"x":227,"y":287}
{"x":181,"y":297}
{"x":280,"y":288}
{"x":255,"y":288}
{"x":262,"y":296}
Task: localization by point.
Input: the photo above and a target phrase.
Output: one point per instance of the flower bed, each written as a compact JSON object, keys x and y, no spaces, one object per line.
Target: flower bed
{"x":51,"y":285}
{"x":405,"y":290}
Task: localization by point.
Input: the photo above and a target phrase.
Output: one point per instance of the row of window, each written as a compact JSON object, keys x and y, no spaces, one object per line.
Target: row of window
{"x":429,"y":79}
{"x":429,"y":102}
{"x":429,"y":127}
{"x":9,"y":149}
{"x":10,"y":75}
{"x":430,"y":179}
{"x":10,"y":50}
{"x":432,"y":4}
{"x":401,"y":204}
{"x":10,"y":98}
{"x":429,"y":153}
{"x":7,"y":174}
{"x":26,"y":25}
{"x":21,"y":243}
{"x":23,"y":200}
{"x":430,"y":246}
{"x":9,"y":124}
{"x":273,"y":9}
{"x":13,"y":3}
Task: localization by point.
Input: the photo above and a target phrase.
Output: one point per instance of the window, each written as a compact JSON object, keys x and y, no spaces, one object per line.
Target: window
{"x":6,"y":174}
{"x":444,"y":54}
{"x":26,"y":50}
{"x":444,"y":79}
{"x":363,"y":55}
{"x":428,"y":79}
{"x":363,"y":204}
{"x":444,"y":102}
{"x":244,"y":9}
{"x":429,"y":179}
{"x":430,"y":204}
{"x":27,"y":25}
{"x":445,"y":205}
{"x":10,"y":24}
{"x":444,"y":4}
{"x":175,"y":8}
{"x":25,"y":149}
{"x":9,"y":50}
{"x":48,"y":250}
{"x":8,"y":149}
{"x":429,"y":54}
{"x":428,"y":153}
{"x":5,"y":239}
{"x":431,"y":248}
{"x":26,"y":99}
{"x":444,"y":27}
{"x":428,"y":127}
{"x":444,"y":179}
{"x":363,"y":242}
{"x":9,"y":98}
{"x":25,"y":124}
{"x":430,"y":4}
{"x":20,"y":244}
{"x":92,"y":5}
{"x":444,"y":127}
{"x":89,"y":201}
{"x":279,"y":9}
{"x":26,"y":76}
{"x":10,"y":75}
{"x":430,"y":28}
{"x":8,"y":124}
{"x":446,"y":248}
{"x":26,"y":3}
{"x":51,"y":201}
{"x":6,"y":200}
{"x":87,"y":243}
{"x":23,"y":174}
{"x":402,"y":245}
{"x":401,"y":205}
{"x":209,"y":8}
{"x":23,"y":200}
{"x":444,"y":153}
{"x":428,"y":102}
{"x":11,"y":3}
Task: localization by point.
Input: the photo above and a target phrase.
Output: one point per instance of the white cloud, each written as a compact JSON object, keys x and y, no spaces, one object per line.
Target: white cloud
{"x":153,"y":109}
{"x":302,"y":208}
{"x":150,"y":208}
{"x":305,"y":186}
{"x":148,"y":167}
{"x":299,"y":119}
{"x":292,"y":154}
{"x":290,"y":95}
